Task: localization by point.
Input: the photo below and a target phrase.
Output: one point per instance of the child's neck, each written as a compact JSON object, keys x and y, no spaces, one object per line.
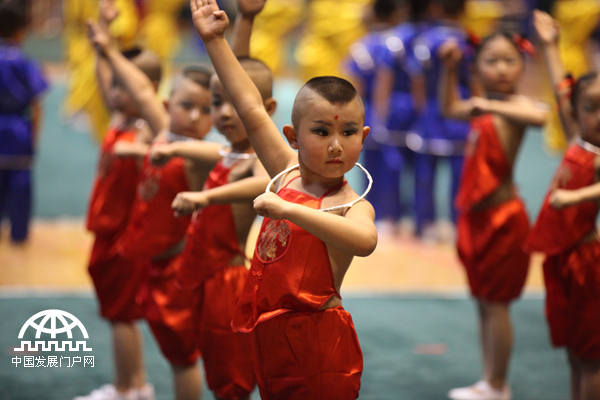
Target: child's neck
{"x":241,"y":147}
{"x":316,"y":183}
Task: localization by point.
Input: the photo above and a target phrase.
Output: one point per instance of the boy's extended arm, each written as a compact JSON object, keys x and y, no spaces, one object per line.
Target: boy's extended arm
{"x":135,"y":82}
{"x":210,"y":23}
{"x":130,"y":149}
{"x":548,"y":31}
{"x":451,"y":104}
{"x":564,"y":198}
{"x":242,"y":191}
{"x":202,"y":152}
{"x":354,"y":233}
{"x":242,"y":27}
{"x":519,"y":112}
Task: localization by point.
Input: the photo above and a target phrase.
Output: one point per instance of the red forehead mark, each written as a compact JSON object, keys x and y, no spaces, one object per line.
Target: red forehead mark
{"x":336,"y":117}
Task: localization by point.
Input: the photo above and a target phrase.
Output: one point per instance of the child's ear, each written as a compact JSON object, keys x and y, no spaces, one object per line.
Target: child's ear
{"x":270,"y":105}
{"x":290,"y":133}
{"x":166,"y":104}
{"x":366,"y":131}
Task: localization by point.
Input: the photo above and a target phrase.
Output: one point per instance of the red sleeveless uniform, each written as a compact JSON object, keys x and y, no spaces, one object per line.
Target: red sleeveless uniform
{"x":301,"y":352}
{"x":152,"y":230}
{"x":572,"y":266}
{"x":115,"y":278}
{"x":490,"y":240}
{"x":211,"y":243}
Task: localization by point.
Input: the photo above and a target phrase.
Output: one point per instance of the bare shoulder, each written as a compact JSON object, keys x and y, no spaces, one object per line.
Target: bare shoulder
{"x":362,"y":210}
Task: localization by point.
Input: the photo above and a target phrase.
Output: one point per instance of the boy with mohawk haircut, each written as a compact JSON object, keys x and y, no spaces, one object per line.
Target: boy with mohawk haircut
{"x":305,"y":343}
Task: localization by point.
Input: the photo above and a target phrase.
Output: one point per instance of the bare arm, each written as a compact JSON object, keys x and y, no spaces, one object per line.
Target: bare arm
{"x":384,"y":82}
{"x":266,"y":140}
{"x":450,"y":102}
{"x":130,"y":149}
{"x":353,"y":233}
{"x":518,"y":112}
{"x":108,"y":13}
{"x":548,"y":31}
{"x":561,"y":198}
{"x":204,"y":153}
{"x":242,"y":27}
{"x":36,"y":120}
{"x":135,"y":82}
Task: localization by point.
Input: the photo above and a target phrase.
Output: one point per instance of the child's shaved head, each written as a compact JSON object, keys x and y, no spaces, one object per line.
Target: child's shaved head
{"x":197,"y":74}
{"x":331,"y":88}
{"x":146,"y":61}
{"x":260,"y":74}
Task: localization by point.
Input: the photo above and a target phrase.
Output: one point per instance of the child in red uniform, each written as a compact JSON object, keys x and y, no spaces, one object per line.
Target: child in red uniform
{"x":117,"y":279}
{"x":566,"y":227}
{"x":153,"y":233}
{"x":213,"y":262}
{"x":305,"y":343}
{"x":492,"y":224}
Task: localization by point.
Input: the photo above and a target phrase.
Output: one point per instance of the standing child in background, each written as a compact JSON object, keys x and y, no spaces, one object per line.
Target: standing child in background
{"x":566,"y":227}
{"x":397,"y":103}
{"x":306,"y":346}
{"x":436,"y":136}
{"x":213,"y":262}
{"x":153,"y":233}
{"x":21,"y":83}
{"x":492,"y":225}
{"x":115,"y":278}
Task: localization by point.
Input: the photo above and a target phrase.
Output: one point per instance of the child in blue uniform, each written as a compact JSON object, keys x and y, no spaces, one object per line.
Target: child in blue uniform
{"x":21,"y":82}
{"x":437,"y":136}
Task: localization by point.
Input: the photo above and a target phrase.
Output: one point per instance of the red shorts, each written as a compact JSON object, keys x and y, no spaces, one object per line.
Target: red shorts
{"x":490,"y":247}
{"x":308,"y":355}
{"x":573,"y":299}
{"x":228,"y":354}
{"x":168,"y":311}
{"x":116,"y":280}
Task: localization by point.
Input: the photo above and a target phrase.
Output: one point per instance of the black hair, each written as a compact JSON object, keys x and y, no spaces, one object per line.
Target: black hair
{"x":383,"y":9}
{"x":418,"y":9}
{"x":14,"y":16}
{"x":131,"y":53}
{"x":505,"y":34}
{"x":333,"y":89}
{"x":197,"y":74}
{"x":546,"y":5}
{"x":260,"y":73}
{"x":452,"y":7}
{"x":580,"y":85}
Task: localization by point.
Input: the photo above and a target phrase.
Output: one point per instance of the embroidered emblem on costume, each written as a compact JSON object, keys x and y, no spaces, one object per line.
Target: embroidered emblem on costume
{"x":274,"y":240}
{"x":472,"y":141}
{"x":562,"y":178}
{"x":149,"y":186}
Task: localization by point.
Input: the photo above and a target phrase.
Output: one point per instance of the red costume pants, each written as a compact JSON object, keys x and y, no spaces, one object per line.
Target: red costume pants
{"x":308,"y":355}
{"x":490,"y":245}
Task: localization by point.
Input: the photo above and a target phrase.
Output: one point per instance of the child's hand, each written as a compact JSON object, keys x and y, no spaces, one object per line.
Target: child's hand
{"x":271,"y":206}
{"x":108,"y":12}
{"x":546,"y":27}
{"x":450,"y":54}
{"x":479,"y":106}
{"x":250,"y":8}
{"x":209,"y":21}
{"x":186,"y":203}
{"x":99,"y":39}
{"x":560,"y":198}
{"x":161,"y":154}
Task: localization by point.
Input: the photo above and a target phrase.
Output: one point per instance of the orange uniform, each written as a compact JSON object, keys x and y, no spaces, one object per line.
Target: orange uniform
{"x":115,"y":278}
{"x":490,"y":240}
{"x":572,"y":265}
{"x":152,"y":230}
{"x":211,"y":243}
{"x":302,"y":352}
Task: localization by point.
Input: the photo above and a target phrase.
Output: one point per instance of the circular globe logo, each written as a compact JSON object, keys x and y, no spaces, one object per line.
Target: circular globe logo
{"x":53,"y":322}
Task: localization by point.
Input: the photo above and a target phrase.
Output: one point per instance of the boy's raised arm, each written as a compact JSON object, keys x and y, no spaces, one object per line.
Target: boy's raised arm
{"x":210,"y":23}
{"x":242,"y":27}
{"x":451,"y":104}
{"x":137,"y":84}
{"x":561,"y":198}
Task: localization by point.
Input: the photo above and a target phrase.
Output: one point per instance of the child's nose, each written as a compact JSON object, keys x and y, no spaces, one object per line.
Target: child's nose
{"x":334,"y":146}
{"x":226,"y":110}
{"x":195,"y":114}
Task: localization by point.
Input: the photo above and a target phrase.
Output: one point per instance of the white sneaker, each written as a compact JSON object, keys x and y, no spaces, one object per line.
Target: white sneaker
{"x":109,"y":392}
{"x":481,"y":390}
{"x":145,"y":393}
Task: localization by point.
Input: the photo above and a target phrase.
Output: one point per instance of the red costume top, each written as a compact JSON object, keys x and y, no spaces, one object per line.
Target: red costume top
{"x":485,"y":166}
{"x":153,"y":228}
{"x":114,"y":188}
{"x":558,"y":230}
{"x":211,"y":240}
{"x":290,"y":270}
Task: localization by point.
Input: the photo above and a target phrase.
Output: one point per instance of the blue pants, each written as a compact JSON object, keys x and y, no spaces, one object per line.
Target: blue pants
{"x":385,"y":165}
{"x":425,"y":168}
{"x":15,"y":201}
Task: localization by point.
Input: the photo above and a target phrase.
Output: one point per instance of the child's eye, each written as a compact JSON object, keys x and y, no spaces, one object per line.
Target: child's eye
{"x":205,"y":110}
{"x":350,"y":132}
{"x":320,"y":131}
{"x":216,"y":102}
{"x":187,"y":105}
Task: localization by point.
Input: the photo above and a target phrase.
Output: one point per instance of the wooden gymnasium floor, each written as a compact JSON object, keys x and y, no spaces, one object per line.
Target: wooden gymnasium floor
{"x":55,"y":258}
